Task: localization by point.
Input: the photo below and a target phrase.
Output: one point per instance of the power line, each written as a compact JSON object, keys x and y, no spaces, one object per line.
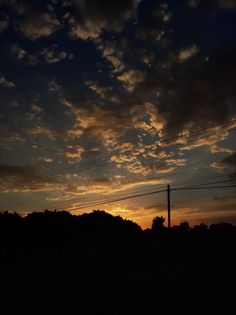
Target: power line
{"x":201,"y":179}
{"x":73,"y":202}
{"x":76,"y":200}
{"x":217,"y":182}
{"x":174,"y":189}
{"x":200,"y":131}
{"x":150,"y":193}
{"x":203,"y":183}
{"x":210,"y":187}
{"x":92,"y":203}
{"x":168,"y":177}
{"x":108,"y":201}
{"x":160,"y":191}
{"x":125,"y":198}
{"x":92,"y":164}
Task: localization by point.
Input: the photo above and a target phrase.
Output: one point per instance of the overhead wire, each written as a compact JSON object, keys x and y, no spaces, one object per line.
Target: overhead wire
{"x":109,"y":201}
{"x":209,"y":187}
{"x":92,"y":164}
{"x":168,"y":178}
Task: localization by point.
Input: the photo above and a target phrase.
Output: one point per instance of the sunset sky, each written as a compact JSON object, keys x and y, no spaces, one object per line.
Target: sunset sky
{"x":102,"y":100}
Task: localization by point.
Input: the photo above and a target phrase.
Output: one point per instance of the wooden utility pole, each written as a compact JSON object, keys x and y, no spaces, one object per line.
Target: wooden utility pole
{"x":168,"y":205}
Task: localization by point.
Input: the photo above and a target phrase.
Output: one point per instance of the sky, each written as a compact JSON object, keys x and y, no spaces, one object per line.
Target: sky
{"x":102,"y":100}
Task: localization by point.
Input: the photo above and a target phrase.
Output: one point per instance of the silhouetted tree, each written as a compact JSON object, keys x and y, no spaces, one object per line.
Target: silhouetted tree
{"x":158,"y":224}
{"x":184,"y":227}
{"x":222,"y":227}
{"x":201,"y":228}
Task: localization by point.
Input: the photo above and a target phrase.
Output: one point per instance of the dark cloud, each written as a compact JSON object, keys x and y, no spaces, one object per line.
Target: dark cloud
{"x":99,"y":15}
{"x":108,"y":124}
{"x":217,"y":208}
{"x":18,"y":52}
{"x":228,"y":163}
{"x":228,"y":4}
{"x":39,"y":25}
{"x":175,"y":205}
{"x":15,"y":177}
{"x":6,"y":83}
{"x":194,"y":93}
{"x":104,"y":92}
{"x":16,"y":171}
{"x":101,"y":181}
{"x":53,"y":86}
{"x":33,"y":19}
{"x":26,"y":178}
{"x":53,"y":54}
{"x":4,"y":22}
{"x":226,"y":198}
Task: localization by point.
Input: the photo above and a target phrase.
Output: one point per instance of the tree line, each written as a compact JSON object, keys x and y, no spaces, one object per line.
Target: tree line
{"x":59,"y":226}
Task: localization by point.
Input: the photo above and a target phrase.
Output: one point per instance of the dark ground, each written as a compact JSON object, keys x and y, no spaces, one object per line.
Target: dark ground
{"x":116,"y":273}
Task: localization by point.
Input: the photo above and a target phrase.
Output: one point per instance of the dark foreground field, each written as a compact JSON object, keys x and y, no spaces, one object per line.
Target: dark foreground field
{"x":99,"y":266}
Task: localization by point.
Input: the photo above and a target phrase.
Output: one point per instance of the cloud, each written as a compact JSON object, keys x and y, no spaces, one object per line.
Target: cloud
{"x":194,"y":3}
{"x":50,"y":55}
{"x":53,"y":86}
{"x":189,"y":95}
{"x":45,"y":159}
{"x":85,"y":32}
{"x":111,"y":124}
{"x":145,"y":168}
{"x":105,"y":123}
{"x":35,"y":113}
{"x":62,"y":134}
{"x":218,"y":149}
{"x":33,"y":19}
{"x":5,"y":83}
{"x":105,"y":186}
{"x":113,"y":54}
{"x":18,"y":52}
{"x":74,"y":133}
{"x":18,"y":6}
{"x":104,"y":92}
{"x":200,"y":95}
{"x":53,"y":55}
{"x":188,"y":53}
{"x":40,"y":130}
{"x":9,"y":138}
{"x":4,"y":22}
{"x":227,"y":164}
{"x":116,"y":186}
{"x":208,"y":138}
{"x":74,"y":152}
{"x":18,"y":171}
{"x":131,"y":78}
{"x":17,"y":178}
{"x":135,"y":162}
{"x":101,"y":15}
{"x":226,"y":197}
{"x":111,"y":128}
{"x":38,"y":25}
{"x":147,"y":118}
{"x":227,"y":4}
{"x":213,"y":208}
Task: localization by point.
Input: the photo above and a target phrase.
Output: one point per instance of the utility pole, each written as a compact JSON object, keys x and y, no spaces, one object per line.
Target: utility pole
{"x":168,"y":205}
